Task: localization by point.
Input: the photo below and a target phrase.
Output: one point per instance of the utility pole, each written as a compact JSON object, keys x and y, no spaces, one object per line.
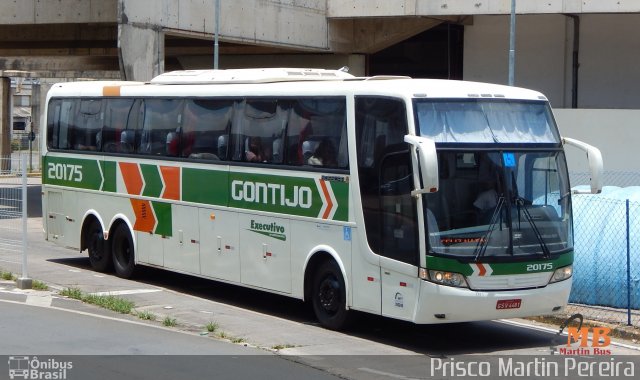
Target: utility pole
{"x":216,"y":47}
{"x":512,"y":44}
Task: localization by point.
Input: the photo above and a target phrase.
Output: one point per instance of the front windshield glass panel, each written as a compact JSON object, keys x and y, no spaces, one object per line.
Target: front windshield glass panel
{"x":486,"y":121}
{"x":500,"y":203}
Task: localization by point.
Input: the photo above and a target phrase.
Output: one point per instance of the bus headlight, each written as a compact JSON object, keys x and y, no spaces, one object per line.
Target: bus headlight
{"x":562,"y":274}
{"x":447,"y":278}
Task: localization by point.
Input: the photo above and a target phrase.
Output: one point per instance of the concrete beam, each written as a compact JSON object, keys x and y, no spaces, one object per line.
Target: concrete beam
{"x":370,"y":35}
{"x":58,"y":11}
{"x":436,"y":8}
{"x":52,"y":64}
{"x":299,"y":24}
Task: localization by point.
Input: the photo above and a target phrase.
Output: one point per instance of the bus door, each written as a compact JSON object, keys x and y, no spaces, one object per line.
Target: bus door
{"x":390,"y":212}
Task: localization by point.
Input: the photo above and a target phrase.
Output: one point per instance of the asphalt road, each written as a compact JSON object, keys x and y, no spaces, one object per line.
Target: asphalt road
{"x":107,"y":348}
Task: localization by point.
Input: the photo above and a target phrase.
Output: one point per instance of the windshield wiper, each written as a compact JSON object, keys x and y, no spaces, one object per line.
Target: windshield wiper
{"x":481,"y":246}
{"x":520,"y":202}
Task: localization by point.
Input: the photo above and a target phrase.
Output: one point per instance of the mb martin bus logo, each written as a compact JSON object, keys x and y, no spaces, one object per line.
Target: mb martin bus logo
{"x":273,"y":230}
{"x":579,"y":343}
{"x":24,"y":367}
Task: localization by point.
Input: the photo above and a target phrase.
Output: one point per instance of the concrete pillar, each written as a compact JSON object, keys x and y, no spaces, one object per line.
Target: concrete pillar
{"x":141,"y":52}
{"x":5,"y":121}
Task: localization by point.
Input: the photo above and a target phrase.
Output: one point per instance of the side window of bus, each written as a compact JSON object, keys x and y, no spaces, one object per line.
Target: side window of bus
{"x":60,"y":123}
{"x":258,"y":130}
{"x":88,"y":125}
{"x":160,"y":135}
{"x":117,"y":115}
{"x":316,"y":134}
{"x":205,"y":128}
{"x":386,"y":179}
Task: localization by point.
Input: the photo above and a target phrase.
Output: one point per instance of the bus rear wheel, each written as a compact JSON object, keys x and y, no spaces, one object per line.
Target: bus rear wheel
{"x":329,"y":297}
{"x":123,"y":252}
{"x":97,"y":248}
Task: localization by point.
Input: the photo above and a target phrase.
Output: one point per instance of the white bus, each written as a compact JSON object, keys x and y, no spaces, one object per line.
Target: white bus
{"x":423,"y":200}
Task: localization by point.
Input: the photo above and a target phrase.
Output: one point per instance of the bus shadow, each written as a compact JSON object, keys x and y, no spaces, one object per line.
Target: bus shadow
{"x":431,"y":340}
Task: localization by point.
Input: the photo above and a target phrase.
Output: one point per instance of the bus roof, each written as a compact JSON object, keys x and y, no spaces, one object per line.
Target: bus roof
{"x":291,"y":82}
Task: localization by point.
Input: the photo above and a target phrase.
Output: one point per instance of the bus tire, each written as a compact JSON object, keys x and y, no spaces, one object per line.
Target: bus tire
{"x":329,"y":297}
{"x":97,"y":248}
{"x":123,"y":253}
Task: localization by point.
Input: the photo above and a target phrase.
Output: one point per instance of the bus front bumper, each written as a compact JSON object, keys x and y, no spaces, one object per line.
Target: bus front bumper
{"x":446,"y":304}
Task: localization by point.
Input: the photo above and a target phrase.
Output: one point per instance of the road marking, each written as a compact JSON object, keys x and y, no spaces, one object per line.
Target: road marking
{"x":393,"y":375}
{"x":126,"y":292}
{"x":39,"y":300}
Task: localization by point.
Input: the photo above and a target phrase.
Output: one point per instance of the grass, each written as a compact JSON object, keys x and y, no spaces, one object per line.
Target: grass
{"x":282,"y":346}
{"x":8,"y":276}
{"x":170,"y":322}
{"x":212,"y":327}
{"x":146,"y":315}
{"x":117,"y":304}
{"x":39,"y":285}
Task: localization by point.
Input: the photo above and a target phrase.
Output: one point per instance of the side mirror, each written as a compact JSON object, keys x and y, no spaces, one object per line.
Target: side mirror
{"x":595,"y":162}
{"x":428,"y":161}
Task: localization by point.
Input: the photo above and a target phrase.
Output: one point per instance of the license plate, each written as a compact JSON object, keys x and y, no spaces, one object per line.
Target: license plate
{"x":508,"y":304}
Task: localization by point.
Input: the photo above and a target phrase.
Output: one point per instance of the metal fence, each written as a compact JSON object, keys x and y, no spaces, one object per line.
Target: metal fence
{"x":21,"y":145}
{"x":13,"y":216}
{"x":606,"y":282}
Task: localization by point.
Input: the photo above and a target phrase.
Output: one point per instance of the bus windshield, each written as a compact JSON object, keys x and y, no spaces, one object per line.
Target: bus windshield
{"x":486,"y":121}
{"x":500,"y":204}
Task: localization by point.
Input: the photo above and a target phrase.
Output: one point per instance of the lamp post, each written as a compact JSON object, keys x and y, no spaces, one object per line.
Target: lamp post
{"x":512,"y":44}
{"x":216,"y":47}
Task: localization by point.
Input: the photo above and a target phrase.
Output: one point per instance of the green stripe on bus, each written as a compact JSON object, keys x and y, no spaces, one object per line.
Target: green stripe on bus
{"x":163,"y":216}
{"x":205,"y":186}
{"x":109,"y":169}
{"x":453,"y":265}
{"x":72,"y":172}
{"x":152,"y":181}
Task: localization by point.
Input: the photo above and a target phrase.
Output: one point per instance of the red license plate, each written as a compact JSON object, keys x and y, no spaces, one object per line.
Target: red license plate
{"x":509,"y":304}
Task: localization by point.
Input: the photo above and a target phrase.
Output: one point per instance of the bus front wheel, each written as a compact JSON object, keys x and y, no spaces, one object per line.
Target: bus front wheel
{"x":329,"y":297}
{"x":97,"y":248}
{"x":123,"y":252}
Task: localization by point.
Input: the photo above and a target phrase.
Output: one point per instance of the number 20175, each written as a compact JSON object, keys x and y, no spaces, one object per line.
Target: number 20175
{"x":539,"y":267}
{"x":65,"y":172}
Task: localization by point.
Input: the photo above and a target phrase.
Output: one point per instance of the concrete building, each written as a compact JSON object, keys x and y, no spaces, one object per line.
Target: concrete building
{"x":582,"y":54}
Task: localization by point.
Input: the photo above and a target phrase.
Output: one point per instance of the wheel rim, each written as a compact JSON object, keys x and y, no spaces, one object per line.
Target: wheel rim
{"x":329,"y":294}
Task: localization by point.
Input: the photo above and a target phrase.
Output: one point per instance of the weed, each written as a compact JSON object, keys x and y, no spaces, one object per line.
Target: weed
{"x":146,"y":315}
{"x":39,"y":285}
{"x":74,"y":293}
{"x":170,"y":322}
{"x":282,"y":346}
{"x":237,"y":340}
{"x":117,"y":304}
{"x":212,"y":327}
{"x":7,"y":276}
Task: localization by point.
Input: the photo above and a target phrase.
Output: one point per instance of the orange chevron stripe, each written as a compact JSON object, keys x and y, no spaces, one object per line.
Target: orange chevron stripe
{"x":482,"y":269}
{"x":132,"y":177}
{"x":145,"y":220}
{"x":327,"y":212}
{"x":171,"y":177}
